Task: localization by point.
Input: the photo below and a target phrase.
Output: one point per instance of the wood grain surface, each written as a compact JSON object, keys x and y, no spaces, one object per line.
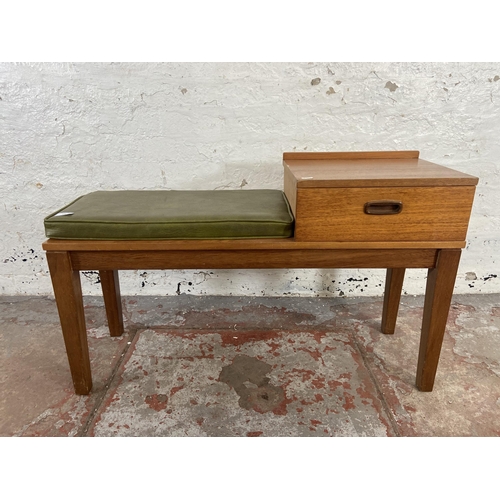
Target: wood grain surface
{"x":348,"y":155}
{"x":223,"y":245}
{"x":429,"y":213}
{"x":68,"y":294}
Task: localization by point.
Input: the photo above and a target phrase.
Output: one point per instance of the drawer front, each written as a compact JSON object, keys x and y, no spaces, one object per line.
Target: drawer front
{"x":406,"y":214}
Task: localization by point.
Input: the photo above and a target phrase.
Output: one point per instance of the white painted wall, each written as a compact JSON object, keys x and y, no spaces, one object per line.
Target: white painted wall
{"x":69,"y":129}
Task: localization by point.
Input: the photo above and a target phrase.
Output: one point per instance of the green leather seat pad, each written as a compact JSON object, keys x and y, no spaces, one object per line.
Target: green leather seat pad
{"x":157,"y":215}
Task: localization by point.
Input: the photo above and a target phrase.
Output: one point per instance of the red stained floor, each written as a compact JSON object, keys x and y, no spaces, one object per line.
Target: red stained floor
{"x":226,"y":366}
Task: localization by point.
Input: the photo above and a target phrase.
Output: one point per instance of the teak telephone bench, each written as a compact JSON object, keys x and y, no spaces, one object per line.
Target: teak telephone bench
{"x":387,"y":210}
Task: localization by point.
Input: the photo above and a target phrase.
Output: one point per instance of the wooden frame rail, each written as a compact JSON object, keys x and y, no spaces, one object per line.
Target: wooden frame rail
{"x":66,"y":258}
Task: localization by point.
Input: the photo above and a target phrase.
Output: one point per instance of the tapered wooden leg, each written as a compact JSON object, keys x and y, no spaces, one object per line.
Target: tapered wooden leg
{"x":68,"y":294}
{"x":112,"y":301}
{"x":438,"y":294}
{"x":392,"y":296}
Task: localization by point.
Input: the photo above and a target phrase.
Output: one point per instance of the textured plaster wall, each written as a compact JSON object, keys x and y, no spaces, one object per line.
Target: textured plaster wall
{"x":68,"y":129}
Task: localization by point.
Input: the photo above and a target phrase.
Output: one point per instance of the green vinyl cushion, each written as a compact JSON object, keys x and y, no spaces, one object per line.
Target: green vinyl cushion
{"x":157,"y":215}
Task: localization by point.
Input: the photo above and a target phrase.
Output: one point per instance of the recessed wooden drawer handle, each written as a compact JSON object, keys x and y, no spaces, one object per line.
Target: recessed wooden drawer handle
{"x":383,"y":207}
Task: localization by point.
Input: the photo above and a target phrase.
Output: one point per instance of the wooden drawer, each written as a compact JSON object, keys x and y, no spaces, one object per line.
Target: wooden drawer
{"x":426,"y":214}
{"x":376,"y":197}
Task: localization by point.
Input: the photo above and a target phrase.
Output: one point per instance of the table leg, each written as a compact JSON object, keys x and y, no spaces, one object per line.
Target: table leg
{"x":438,"y":295}
{"x":392,"y":295}
{"x":112,"y":301}
{"x":68,"y":294}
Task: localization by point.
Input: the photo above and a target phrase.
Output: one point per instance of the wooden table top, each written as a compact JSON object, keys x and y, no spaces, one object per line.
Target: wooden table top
{"x":328,"y":170}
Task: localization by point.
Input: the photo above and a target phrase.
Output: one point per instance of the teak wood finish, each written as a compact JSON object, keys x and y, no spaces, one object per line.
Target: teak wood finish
{"x":354,"y":243}
{"x":328,"y":197}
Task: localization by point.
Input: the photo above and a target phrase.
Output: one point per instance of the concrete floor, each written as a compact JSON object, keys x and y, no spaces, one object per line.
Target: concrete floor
{"x":238,"y":366}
